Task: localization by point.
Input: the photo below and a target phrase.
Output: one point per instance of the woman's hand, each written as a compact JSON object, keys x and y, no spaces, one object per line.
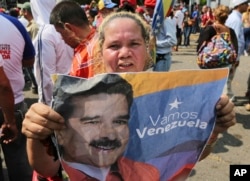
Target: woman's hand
{"x":40,"y":122}
{"x":225,"y":115}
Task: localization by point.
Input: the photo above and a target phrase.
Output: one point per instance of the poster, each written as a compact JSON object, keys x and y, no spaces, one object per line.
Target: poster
{"x":136,"y":126}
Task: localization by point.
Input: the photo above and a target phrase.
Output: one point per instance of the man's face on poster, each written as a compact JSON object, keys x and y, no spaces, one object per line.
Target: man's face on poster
{"x":97,"y":130}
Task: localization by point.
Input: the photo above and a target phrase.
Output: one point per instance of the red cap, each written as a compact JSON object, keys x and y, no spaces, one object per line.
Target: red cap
{"x":150,"y":3}
{"x":139,"y":10}
{"x":131,"y":2}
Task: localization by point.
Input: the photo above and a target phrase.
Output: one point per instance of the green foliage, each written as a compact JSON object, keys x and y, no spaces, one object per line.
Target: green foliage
{"x":203,"y":2}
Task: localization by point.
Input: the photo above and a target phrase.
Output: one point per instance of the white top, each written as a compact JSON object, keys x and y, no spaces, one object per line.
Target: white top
{"x":1,"y":60}
{"x":23,"y":21}
{"x":234,"y":21}
{"x":166,"y":38}
{"x":52,"y":54}
{"x":179,"y":15}
{"x":15,"y":46}
{"x":41,"y":10}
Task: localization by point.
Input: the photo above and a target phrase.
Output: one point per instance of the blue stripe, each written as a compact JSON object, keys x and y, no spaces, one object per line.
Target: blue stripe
{"x":158,"y":17}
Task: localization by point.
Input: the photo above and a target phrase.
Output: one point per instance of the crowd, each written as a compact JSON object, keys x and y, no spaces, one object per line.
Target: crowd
{"x":43,"y":37}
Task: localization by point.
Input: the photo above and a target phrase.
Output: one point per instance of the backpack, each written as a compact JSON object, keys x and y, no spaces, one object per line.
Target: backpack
{"x":217,"y":53}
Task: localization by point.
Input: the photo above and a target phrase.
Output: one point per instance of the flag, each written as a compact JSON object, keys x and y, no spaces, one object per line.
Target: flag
{"x":170,"y":120}
{"x":162,"y":8}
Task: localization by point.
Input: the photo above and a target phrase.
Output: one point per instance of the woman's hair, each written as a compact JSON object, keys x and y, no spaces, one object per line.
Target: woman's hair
{"x":133,"y":16}
{"x":136,"y":18}
{"x":221,"y":13}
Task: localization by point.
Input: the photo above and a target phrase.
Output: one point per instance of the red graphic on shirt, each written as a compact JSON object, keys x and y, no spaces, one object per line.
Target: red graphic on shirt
{"x":5,"y":51}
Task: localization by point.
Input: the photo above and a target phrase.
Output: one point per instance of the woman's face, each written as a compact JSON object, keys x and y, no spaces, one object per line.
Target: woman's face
{"x":124,"y":49}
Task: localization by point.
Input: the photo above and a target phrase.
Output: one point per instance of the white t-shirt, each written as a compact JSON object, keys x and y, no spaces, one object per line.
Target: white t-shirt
{"x":1,"y":60}
{"x":23,"y":21}
{"x":179,"y":15}
{"x":15,"y":45}
{"x":52,"y":56}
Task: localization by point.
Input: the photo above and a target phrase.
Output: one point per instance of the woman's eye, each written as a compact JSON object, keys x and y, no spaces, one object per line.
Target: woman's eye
{"x":114,"y":46}
{"x":135,"y":44}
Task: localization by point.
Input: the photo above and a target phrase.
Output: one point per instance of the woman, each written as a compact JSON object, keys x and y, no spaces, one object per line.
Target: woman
{"x":123,"y":48}
{"x":246,"y":25}
{"x":187,"y":28}
{"x":220,"y":14}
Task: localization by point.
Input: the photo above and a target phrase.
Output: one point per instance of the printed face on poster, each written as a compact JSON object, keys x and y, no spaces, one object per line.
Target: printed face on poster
{"x":136,"y":123}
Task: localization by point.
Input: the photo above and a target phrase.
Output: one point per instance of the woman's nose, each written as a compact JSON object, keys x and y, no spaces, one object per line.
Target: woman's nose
{"x":124,"y":52}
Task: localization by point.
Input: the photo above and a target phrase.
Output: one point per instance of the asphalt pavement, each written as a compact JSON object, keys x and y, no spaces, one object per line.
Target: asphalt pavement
{"x":232,"y":147}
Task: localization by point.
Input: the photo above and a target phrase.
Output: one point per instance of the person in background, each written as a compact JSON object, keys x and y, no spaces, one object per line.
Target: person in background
{"x":21,"y":17}
{"x":234,"y":21}
{"x":7,"y":112}
{"x":179,"y":16}
{"x":90,"y":13}
{"x":2,"y":10}
{"x":247,"y":106}
{"x":17,"y":51}
{"x":195,"y":16}
{"x":127,"y":5}
{"x":246,"y":25}
{"x":123,"y":49}
{"x":221,"y":14}
{"x":205,"y":19}
{"x":52,"y":54}
{"x":93,"y":5}
{"x":105,"y":7}
{"x":72,"y":23}
{"x":187,"y":27}
{"x":165,"y":39}
{"x":14,"y":12}
{"x":32,"y":28}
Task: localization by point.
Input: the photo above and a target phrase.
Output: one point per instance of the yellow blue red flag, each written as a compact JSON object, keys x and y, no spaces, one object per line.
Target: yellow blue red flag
{"x":160,"y":130}
{"x":162,"y":8}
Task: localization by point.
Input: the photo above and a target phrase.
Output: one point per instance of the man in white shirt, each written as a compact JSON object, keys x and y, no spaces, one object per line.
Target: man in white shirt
{"x":179,"y":16}
{"x":52,"y":54}
{"x":234,"y":21}
{"x":17,"y":51}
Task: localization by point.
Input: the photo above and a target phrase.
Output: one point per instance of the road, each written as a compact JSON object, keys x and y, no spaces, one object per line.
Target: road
{"x":233,"y":147}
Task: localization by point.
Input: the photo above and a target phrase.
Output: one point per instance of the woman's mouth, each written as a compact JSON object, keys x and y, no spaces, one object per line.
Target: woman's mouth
{"x":125,"y":65}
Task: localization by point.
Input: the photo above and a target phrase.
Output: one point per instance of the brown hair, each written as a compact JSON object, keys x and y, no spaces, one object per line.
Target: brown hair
{"x":133,"y":16}
{"x":221,"y":13}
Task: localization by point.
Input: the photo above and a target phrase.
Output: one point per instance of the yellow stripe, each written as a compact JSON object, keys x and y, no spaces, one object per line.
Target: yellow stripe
{"x":159,"y":81}
{"x":166,"y":5}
